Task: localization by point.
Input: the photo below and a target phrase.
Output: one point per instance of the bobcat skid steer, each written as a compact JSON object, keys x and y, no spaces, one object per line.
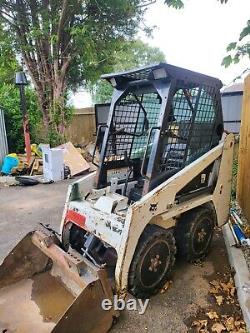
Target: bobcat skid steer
{"x":162,"y":184}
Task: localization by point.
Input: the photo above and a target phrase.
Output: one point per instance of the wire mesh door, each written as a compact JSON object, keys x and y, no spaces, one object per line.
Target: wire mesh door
{"x":133,"y":117}
{"x":190,"y":127}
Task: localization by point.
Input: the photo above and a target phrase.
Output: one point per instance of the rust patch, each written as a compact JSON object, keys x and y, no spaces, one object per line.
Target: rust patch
{"x":18,"y":312}
{"x":33,"y":305}
{"x":51,"y":296}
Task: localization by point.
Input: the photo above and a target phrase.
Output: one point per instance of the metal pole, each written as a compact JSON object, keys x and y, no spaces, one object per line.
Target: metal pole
{"x":26,"y":130}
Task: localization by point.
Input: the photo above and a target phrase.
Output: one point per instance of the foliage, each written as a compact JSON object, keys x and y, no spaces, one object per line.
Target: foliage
{"x":58,"y":112}
{"x":175,"y":3}
{"x":10,"y":101}
{"x":131,"y":54}
{"x":180,"y":4}
{"x":67,"y":43}
{"x":8,"y":62}
{"x":239,"y":49}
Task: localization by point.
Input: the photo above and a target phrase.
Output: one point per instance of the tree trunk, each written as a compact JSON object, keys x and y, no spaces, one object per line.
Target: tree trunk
{"x":50,"y":88}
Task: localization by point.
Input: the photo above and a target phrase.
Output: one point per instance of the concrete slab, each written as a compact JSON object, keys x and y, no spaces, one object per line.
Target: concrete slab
{"x":242,"y":276}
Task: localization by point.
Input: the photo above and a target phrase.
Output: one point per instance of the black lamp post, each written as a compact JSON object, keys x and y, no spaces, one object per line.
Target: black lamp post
{"x":21,"y":82}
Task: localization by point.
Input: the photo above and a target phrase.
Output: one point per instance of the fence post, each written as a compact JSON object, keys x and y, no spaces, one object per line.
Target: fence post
{"x":243,"y":179}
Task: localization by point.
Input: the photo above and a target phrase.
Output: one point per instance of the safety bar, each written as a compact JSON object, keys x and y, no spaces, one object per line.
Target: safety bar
{"x":146,"y":151}
{"x":97,"y":136}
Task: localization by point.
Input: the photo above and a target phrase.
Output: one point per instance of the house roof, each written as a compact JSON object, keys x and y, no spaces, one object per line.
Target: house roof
{"x":233,"y":89}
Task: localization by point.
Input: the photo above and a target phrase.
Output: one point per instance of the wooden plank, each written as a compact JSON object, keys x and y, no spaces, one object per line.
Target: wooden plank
{"x":243,"y":182}
{"x":89,"y":110}
{"x":81,"y":129}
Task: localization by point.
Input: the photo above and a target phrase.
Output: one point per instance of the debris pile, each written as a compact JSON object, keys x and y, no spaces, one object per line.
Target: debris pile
{"x":223,"y":324}
{"x":17,"y":164}
{"x":8,"y":181}
{"x":220,"y":324}
{"x":223,"y":291}
{"x":73,"y":159}
{"x":225,"y":316}
{"x":45,"y":162}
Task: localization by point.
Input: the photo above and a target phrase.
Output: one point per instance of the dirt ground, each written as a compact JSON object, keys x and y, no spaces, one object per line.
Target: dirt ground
{"x":187,"y":300}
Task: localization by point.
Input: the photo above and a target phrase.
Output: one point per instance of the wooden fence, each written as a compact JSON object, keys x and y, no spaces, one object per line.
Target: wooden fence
{"x":82,"y":128}
{"x":243,"y":182}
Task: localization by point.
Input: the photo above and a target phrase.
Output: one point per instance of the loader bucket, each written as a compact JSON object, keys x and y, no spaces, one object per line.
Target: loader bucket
{"x":43,"y":289}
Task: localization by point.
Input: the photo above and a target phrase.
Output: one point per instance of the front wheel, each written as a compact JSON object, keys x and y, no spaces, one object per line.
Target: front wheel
{"x":152,"y":262}
{"x":194,"y":233}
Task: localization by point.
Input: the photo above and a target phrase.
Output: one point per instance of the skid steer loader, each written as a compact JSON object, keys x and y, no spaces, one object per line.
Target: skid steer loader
{"x":162,"y":184}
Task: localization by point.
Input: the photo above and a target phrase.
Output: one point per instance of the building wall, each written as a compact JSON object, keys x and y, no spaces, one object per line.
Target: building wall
{"x":231,"y":107}
{"x":3,"y":137}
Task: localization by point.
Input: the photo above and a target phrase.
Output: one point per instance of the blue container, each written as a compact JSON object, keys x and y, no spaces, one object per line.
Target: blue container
{"x":240,"y":235}
{"x":9,"y":163}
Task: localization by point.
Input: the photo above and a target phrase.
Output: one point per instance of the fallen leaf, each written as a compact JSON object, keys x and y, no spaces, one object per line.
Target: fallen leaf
{"x":224,"y":316}
{"x":231,"y":281}
{"x":230,"y":300}
{"x":219,"y":300}
{"x":167,"y":285}
{"x":212,"y":315}
{"x":229,"y":323}
{"x":199,"y":324}
{"x":232,"y":291}
{"x":214,"y":290}
{"x":225,"y":287}
{"x":237,"y":323}
{"x":218,"y":327}
{"x":215,"y":283}
{"x":240,"y":330}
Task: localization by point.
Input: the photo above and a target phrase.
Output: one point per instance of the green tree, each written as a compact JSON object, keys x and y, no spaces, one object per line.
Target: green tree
{"x":65,"y":43}
{"x":8,"y":62}
{"x":131,"y":54}
{"x":180,"y":3}
{"x":10,"y":102}
{"x":239,"y":49}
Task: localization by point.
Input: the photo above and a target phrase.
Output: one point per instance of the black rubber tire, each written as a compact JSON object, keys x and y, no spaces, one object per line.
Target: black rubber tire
{"x":152,"y":240}
{"x":26,"y":180}
{"x":194,"y":233}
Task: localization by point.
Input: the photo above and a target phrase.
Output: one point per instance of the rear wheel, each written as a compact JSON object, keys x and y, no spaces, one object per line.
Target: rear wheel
{"x":152,"y":262}
{"x":194,"y":233}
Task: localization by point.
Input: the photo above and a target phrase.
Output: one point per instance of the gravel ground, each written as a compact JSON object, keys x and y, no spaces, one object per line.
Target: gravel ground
{"x":188,"y":299}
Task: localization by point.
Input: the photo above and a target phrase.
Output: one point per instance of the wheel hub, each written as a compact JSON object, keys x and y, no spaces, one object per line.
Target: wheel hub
{"x":201,"y":235}
{"x":155,"y":262}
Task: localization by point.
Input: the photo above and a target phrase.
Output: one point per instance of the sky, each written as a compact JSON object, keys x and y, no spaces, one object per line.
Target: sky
{"x":195,"y":37}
